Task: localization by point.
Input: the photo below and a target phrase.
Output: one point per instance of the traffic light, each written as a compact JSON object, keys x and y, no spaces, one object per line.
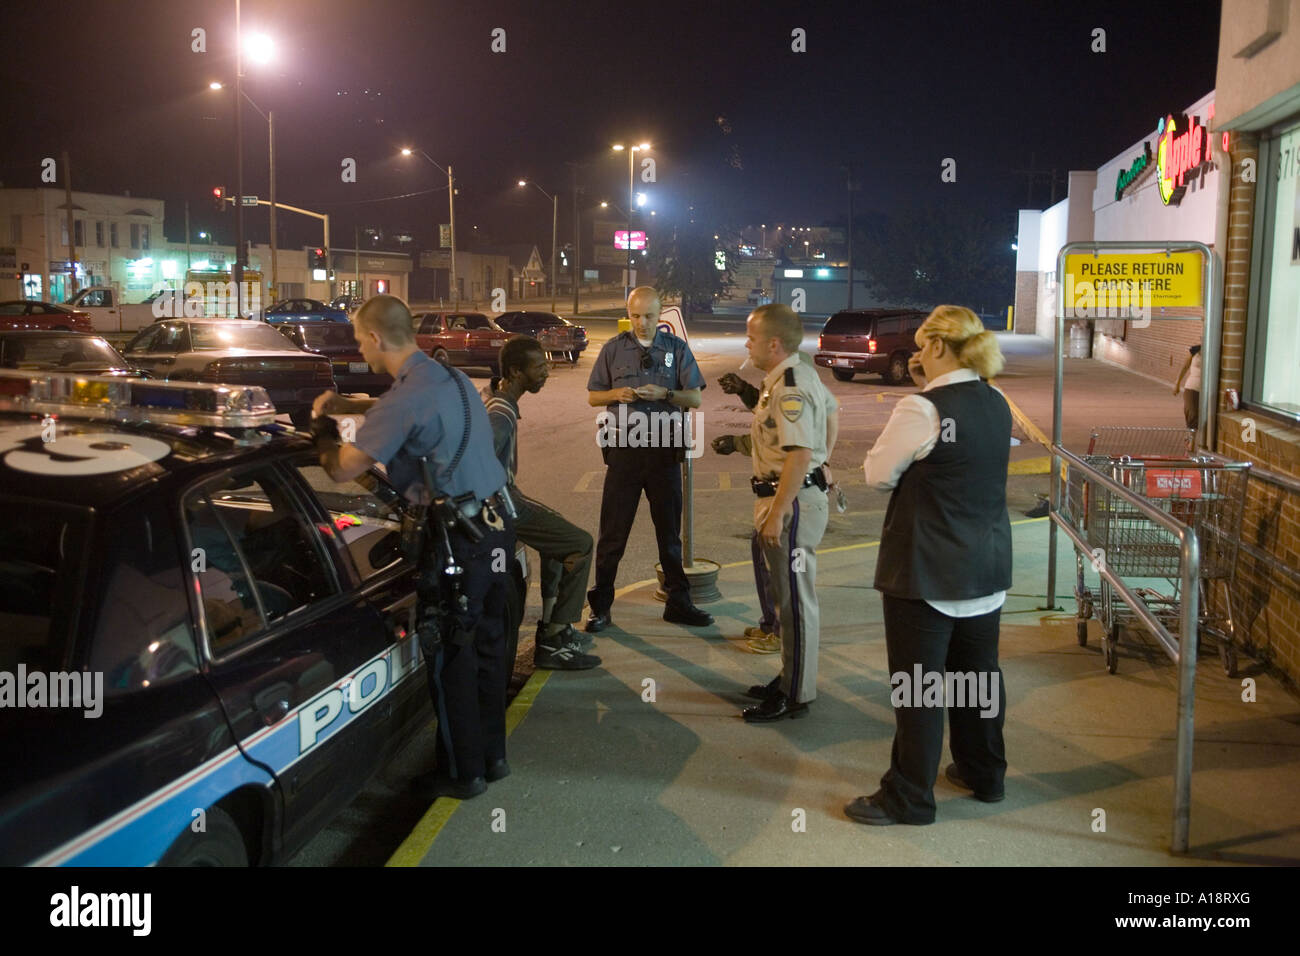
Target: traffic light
{"x":315,"y":258}
{"x":219,"y":198}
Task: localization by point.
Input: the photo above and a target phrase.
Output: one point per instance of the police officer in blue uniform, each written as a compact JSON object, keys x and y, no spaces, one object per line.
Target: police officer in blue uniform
{"x":432,"y":433}
{"x":645,"y":378}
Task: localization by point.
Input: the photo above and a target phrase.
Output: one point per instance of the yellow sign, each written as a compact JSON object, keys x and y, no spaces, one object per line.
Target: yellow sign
{"x":1131,"y":282}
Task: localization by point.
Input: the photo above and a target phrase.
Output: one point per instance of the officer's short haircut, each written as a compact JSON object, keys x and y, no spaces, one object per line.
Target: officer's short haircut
{"x":517,"y":352}
{"x":646,"y":290}
{"x":389,"y":316}
{"x":780,"y":322}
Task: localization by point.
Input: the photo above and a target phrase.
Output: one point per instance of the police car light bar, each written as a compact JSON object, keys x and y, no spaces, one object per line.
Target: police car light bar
{"x":135,"y":400}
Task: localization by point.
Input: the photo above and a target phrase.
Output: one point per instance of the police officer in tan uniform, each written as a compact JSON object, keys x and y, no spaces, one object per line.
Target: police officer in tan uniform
{"x":789,"y":441}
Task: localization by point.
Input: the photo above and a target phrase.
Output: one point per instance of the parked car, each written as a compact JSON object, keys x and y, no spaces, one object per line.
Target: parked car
{"x":108,"y":313}
{"x":557,"y":334}
{"x":234,"y":352}
{"x":299,"y":310}
{"x":66,"y":351}
{"x":460,"y":338}
{"x":336,"y":342}
{"x":29,"y":314}
{"x":869,"y":340}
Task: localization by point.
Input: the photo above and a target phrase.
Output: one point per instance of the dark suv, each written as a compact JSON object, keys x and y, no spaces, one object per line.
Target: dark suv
{"x":869,"y":340}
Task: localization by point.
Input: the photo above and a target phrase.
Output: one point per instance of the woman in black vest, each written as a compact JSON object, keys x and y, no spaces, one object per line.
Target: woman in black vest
{"x":943,"y":569}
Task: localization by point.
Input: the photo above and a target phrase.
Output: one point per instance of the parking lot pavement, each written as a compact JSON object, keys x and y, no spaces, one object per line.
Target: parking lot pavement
{"x":646,"y":762}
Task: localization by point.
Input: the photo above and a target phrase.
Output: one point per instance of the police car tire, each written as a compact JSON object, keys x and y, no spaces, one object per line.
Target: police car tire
{"x":897,"y":373}
{"x":842,"y":374}
{"x":221,"y":845}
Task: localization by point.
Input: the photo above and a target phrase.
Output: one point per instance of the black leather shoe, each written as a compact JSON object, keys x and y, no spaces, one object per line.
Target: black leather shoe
{"x":432,"y":785}
{"x":774,"y":707}
{"x":687,"y":614}
{"x":496,"y":770}
{"x":957,"y":780}
{"x":764,"y":691}
{"x":598,"y":622}
{"x":864,"y":810}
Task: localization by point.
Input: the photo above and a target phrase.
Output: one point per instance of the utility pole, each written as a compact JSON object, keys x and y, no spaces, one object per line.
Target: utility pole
{"x":187,"y":235}
{"x":72,"y":233}
{"x":852,"y":188}
{"x":577,"y":239}
{"x":356,"y":261}
{"x":555,"y":222}
{"x":451,"y":199}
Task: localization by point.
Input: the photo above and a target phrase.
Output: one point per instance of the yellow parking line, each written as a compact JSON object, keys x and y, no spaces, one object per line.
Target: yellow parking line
{"x":1031,"y":466}
{"x":724,"y":481}
{"x":419,"y":841}
{"x":585,"y":481}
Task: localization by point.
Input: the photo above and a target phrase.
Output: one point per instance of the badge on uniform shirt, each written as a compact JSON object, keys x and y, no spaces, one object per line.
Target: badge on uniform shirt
{"x":668,"y":360}
{"x":792,"y":406}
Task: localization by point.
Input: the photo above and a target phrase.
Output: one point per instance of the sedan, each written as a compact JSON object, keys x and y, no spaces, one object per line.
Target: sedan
{"x":460,"y":338}
{"x":302,"y":310}
{"x":63,"y":351}
{"x":557,"y":334}
{"x":26,"y":314}
{"x":235,"y":352}
{"x":337,"y":343}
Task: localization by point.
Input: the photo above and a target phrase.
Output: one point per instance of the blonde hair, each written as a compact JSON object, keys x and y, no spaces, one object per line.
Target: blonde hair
{"x":779,"y":321}
{"x":961,"y":329}
{"x":389,"y":316}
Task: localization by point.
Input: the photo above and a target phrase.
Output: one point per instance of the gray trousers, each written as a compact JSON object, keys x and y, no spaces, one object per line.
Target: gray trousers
{"x":792,"y":588}
{"x":565,"y":550}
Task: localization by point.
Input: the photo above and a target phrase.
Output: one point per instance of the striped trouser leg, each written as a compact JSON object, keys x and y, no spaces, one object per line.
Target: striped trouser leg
{"x":793,"y":568}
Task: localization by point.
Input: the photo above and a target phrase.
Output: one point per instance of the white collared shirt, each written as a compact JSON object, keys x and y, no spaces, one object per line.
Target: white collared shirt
{"x":910,"y":435}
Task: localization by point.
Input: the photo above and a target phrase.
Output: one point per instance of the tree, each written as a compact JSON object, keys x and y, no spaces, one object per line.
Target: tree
{"x":927,"y":255}
{"x":686,"y":265}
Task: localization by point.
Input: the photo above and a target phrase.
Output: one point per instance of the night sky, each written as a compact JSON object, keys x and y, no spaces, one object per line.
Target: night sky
{"x":740,"y":125}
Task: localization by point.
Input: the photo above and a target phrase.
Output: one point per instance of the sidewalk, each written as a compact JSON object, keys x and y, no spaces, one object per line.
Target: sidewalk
{"x":645,"y":761}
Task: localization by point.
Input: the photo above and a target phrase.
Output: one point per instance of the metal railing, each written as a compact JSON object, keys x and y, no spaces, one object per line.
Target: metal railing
{"x":1181,"y":649}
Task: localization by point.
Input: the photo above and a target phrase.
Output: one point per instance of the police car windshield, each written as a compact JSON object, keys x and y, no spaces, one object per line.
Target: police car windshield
{"x":237,"y":335}
{"x":41,"y":557}
{"x":72,"y":352}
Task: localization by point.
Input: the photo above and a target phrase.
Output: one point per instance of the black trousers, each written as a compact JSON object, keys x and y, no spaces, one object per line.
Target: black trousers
{"x":916,"y":633}
{"x":630,"y":471}
{"x":468,"y":673}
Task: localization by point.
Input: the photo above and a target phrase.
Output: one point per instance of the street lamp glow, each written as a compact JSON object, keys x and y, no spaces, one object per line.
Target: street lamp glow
{"x":640,"y":199}
{"x":523,"y":182}
{"x":214,"y":85}
{"x":618,"y":147}
{"x":643,"y":147}
{"x":406,"y":151}
{"x":260,"y":48}
{"x":604,"y":205}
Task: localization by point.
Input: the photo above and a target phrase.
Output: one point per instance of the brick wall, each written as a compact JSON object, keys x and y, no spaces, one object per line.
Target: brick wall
{"x":1266,"y":601}
{"x":1025,"y":317}
{"x":1158,"y":351}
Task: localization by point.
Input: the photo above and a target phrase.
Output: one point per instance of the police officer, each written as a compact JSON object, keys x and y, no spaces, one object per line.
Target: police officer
{"x":789,"y":441}
{"x":645,"y":377}
{"x":432,"y":434}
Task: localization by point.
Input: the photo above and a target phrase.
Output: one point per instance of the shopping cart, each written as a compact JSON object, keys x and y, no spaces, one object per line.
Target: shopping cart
{"x":560,"y":340}
{"x":1207,"y":495}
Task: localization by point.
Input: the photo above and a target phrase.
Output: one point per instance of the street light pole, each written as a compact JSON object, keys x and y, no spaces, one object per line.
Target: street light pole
{"x":238,"y":268}
{"x":555,"y":219}
{"x":451,"y":203}
{"x":275,"y":275}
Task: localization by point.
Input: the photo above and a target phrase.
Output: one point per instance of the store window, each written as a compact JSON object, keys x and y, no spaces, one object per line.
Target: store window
{"x":79,"y":230}
{"x":99,"y":234}
{"x":16,"y":228}
{"x":144,"y":237}
{"x":112,"y":234}
{"x":1275,"y":312}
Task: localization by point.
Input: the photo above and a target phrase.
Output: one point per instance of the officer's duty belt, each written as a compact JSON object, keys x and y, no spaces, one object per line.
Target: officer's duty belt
{"x":766,"y":487}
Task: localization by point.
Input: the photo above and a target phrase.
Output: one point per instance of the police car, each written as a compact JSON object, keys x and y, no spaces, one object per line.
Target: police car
{"x":206,"y":645}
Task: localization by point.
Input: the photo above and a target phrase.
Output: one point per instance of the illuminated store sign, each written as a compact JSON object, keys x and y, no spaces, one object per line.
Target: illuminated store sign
{"x":1127,"y":177}
{"x":1182,"y":150}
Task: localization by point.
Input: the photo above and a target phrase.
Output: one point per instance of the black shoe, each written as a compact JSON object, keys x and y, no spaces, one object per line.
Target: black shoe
{"x":764,"y":691}
{"x":773,"y":708}
{"x":496,"y":770}
{"x":575,"y":639}
{"x":598,"y":622}
{"x":957,"y":780}
{"x":866,"y":810}
{"x":550,"y":656}
{"x":687,"y":614}
{"x":434,"y":784}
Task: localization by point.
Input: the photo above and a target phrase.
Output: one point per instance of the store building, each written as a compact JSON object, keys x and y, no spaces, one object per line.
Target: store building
{"x":1258,"y":88}
{"x":1136,"y":196}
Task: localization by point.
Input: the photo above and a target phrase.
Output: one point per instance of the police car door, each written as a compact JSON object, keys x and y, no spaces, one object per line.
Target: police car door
{"x":291,"y":655}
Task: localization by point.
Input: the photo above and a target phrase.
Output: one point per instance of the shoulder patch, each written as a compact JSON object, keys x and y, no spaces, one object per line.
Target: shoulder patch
{"x":792,"y":406}
{"x":789,"y":375}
